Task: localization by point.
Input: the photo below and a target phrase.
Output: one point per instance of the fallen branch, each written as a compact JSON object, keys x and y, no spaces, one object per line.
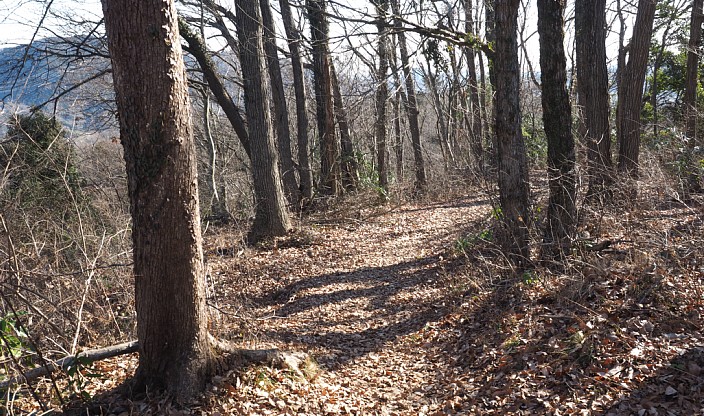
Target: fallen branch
{"x":298,"y":362}
{"x":67,"y":362}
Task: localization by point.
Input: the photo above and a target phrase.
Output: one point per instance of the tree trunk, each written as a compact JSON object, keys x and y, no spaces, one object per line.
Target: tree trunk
{"x":630,"y":93}
{"x":490,"y":28}
{"x":398,"y":136}
{"x":557,"y":122}
{"x":593,"y":91}
{"x":382,"y":95}
{"x":476,"y":127}
{"x":513,"y":168}
{"x":283,"y":133}
{"x":305,"y":172}
{"x":218,"y":209}
{"x":271,"y":217}
{"x":330,"y":174}
{"x":156,"y":133}
{"x":349,"y":165}
{"x":411,"y":103}
{"x":399,"y":98}
{"x":690,"y":94}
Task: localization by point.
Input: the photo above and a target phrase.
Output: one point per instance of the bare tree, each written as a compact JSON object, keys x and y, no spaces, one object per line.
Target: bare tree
{"x":513,"y":166}
{"x":410,"y":102}
{"x":593,"y":91}
{"x":271,"y":217}
{"x":197,"y":48}
{"x":349,"y":165}
{"x":330,"y":175}
{"x":382,"y":94}
{"x":305,"y":172}
{"x":557,"y":122}
{"x":630,"y":93}
{"x":156,"y":133}
{"x":283,"y":133}
{"x":690,"y":92}
{"x":476,"y":120}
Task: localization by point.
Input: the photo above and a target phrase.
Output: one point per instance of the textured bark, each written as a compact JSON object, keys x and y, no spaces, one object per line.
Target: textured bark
{"x":593,"y":91}
{"x":557,"y":122}
{"x":271,"y":217}
{"x":630,"y":93}
{"x":156,"y":133}
{"x":513,"y":168}
{"x":283,"y":133}
{"x":410,"y":103}
{"x":199,"y":51}
{"x":690,"y":92}
{"x":305,"y":172}
{"x":349,"y":165}
{"x":382,"y":94}
{"x":330,"y":174}
{"x":476,"y":126}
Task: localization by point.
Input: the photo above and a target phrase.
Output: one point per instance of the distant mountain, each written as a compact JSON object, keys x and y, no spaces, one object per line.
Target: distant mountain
{"x":69,"y":76}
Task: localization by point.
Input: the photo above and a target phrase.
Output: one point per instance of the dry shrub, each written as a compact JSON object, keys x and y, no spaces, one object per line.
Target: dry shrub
{"x":65,"y":255}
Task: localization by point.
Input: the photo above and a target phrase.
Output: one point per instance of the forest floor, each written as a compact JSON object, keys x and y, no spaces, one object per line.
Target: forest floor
{"x":406,"y":310}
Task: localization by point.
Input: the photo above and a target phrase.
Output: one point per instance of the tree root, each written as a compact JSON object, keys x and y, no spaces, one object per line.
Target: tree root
{"x":298,"y":362}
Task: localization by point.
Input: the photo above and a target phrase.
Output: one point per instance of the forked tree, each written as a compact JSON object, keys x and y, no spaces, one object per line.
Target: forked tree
{"x":155,"y":130}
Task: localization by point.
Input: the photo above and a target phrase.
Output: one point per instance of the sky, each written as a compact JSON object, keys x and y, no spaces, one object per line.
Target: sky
{"x":19,"y":18}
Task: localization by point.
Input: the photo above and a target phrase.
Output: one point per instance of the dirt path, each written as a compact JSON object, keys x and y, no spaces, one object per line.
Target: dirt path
{"x":353,"y":296}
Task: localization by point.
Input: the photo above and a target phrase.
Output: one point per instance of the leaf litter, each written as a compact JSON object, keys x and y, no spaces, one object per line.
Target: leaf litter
{"x":407,"y":311}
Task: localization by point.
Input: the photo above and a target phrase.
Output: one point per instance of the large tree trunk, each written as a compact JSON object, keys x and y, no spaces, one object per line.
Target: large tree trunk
{"x":557,"y":121}
{"x":349,"y":165}
{"x":593,"y":91}
{"x":410,"y":103}
{"x":330,"y":174}
{"x":271,"y":217}
{"x":156,"y":133}
{"x":305,"y":172}
{"x":382,"y":94}
{"x":283,"y":133}
{"x":513,"y":167}
{"x":690,"y":92}
{"x":630,"y":93}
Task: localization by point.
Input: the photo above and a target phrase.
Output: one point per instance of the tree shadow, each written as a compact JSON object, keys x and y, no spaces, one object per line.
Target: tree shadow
{"x":378,"y":286}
